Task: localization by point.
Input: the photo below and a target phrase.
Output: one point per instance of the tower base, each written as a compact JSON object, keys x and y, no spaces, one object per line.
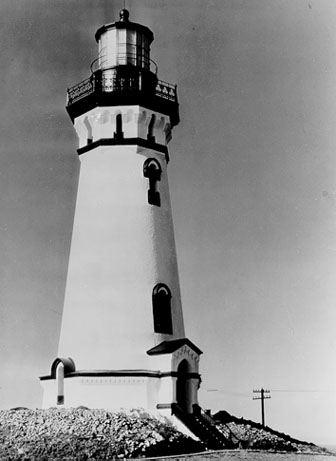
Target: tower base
{"x":110,"y":390}
{"x":116,"y":389}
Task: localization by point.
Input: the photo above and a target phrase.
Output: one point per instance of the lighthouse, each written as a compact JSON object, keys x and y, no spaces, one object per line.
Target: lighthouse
{"x":122,"y":340}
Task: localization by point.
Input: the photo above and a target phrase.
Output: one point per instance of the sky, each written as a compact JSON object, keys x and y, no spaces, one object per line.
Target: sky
{"x":252,"y":178}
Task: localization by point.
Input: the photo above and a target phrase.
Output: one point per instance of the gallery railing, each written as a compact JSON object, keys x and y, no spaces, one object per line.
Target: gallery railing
{"x":109,"y":82}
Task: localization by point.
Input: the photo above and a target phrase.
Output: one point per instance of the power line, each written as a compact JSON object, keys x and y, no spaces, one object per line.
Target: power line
{"x":227,"y":392}
{"x":243,"y":392}
{"x":262,"y":397}
{"x":304,"y":390}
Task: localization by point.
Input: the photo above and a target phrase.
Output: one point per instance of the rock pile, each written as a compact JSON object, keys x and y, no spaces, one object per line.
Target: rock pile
{"x":83,"y":434}
{"x":80,"y":433}
{"x":251,"y":435}
{"x":253,"y":438}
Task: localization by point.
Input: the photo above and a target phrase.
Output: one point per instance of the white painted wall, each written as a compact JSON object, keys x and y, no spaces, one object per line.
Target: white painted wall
{"x":126,"y":392}
{"x":100,"y":123}
{"x":121,"y":248}
{"x":110,"y":393}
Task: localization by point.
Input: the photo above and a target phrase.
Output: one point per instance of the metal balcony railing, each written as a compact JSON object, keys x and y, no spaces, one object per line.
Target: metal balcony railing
{"x":104,"y":83}
{"x":80,"y":90}
{"x":132,"y":58}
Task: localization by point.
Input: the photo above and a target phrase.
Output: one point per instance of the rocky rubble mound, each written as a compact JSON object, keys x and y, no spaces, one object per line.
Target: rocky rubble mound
{"x":261,"y":439}
{"x":83,"y":434}
{"x":251,"y":435}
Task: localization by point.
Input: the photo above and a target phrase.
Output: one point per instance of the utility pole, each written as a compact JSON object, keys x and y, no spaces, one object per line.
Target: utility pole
{"x":262,"y":397}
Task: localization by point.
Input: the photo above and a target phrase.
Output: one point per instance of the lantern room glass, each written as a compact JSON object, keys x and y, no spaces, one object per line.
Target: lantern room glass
{"x":119,"y":47}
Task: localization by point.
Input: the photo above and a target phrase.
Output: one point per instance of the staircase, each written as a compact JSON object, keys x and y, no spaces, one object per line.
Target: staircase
{"x":204,"y":427}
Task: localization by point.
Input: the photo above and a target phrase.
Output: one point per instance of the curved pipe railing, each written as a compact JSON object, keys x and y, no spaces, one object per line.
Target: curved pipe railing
{"x":125,"y":59}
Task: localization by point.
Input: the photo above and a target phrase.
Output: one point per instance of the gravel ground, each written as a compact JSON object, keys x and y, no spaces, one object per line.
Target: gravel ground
{"x":88,"y":434}
{"x":256,"y":455}
{"x":79,"y":434}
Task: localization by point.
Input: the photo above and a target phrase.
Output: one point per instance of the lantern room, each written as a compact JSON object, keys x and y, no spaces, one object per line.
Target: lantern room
{"x":124,"y":43}
{"x":123,"y":73}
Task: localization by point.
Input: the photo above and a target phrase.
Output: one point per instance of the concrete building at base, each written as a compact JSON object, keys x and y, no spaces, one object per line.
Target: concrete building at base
{"x":122,"y":341}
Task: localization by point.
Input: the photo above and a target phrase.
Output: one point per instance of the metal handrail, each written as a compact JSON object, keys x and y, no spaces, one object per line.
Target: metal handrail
{"x":80,"y":90}
{"x":125,"y":59}
{"x":201,"y":427}
{"x":133,"y":84}
{"x":228,"y":433}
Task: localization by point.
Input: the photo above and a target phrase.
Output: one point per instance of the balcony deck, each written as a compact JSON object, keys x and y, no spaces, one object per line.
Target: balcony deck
{"x":115,"y":89}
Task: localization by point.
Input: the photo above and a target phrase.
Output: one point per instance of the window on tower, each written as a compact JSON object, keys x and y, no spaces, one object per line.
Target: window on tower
{"x":118,"y":134}
{"x":89,"y":130}
{"x":162,"y":309}
{"x":150,"y":134}
{"x":152,"y":170}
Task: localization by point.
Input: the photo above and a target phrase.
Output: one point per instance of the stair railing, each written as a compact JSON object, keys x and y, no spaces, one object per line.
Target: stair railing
{"x":203,"y":427}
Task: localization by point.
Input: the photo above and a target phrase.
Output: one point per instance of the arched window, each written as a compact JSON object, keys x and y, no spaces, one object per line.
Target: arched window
{"x":118,"y":134}
{"x":89,"y":130}
{"x":150,"y":134}
{"x":162,"y":309}
{"x":152,"y":171}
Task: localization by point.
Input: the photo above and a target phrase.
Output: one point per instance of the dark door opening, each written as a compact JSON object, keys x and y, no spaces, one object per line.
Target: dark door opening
{"x":183,"y":386}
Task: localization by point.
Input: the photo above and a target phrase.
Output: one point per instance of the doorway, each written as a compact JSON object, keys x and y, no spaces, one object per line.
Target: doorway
{"x":183,"y":397}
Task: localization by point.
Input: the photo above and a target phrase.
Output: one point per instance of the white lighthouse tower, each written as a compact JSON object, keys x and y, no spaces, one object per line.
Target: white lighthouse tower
{"x":122,"y":341}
